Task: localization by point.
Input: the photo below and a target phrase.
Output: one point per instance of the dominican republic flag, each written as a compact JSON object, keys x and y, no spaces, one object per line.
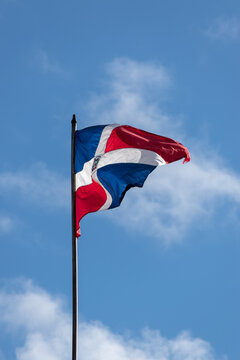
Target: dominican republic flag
{"x":110,"y":159}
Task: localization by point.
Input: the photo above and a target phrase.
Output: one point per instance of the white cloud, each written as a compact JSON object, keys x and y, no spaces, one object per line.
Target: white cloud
{"x":130,"y":87}
{"x":224,"y":28}
{"x":6,"y":224}
{"x":47,"y":64}
{"x":131,"y":77}
{"x":175,"y":195}
{"x":37,"y":184}
{"x":45,"y":328}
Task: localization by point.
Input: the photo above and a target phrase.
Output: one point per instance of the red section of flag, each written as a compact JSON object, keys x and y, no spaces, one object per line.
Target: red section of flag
{"x":89,"y":198}
{"x":129,"y":137}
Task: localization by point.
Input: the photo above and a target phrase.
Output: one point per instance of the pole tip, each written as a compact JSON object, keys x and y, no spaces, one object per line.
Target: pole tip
{"x":74,"y":119}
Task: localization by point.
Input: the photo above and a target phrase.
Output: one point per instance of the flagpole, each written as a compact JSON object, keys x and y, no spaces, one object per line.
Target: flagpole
{"x":74,"y":249}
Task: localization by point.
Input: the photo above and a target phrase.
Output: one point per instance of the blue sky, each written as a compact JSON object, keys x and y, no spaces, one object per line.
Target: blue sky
{"x":158,"y":276}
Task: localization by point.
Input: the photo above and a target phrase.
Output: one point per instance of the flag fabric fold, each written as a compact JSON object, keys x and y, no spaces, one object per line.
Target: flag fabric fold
{"x":110,"y":159}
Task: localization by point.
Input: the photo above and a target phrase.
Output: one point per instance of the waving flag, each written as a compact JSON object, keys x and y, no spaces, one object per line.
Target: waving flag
{"x":110,"y":159}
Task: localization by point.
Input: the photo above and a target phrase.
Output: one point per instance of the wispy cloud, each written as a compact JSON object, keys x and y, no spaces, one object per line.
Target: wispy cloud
{"x":132,"y":95}
{"x":6,"y":224}
{"x":175,"y":195}
{"x":46,"y":63}
{"x":37,"y":184}
{"x":224,"y":28}
{"x":45,"y":328}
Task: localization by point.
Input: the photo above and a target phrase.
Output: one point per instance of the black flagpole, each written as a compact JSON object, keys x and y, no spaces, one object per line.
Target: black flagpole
{"x":74,"y":249}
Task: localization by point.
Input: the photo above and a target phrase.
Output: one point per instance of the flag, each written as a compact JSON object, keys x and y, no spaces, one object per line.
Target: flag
{"x":110,"y":159}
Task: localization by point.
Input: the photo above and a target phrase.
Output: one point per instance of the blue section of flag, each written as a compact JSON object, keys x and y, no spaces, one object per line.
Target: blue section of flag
{"x":86,"y":143}
{"x":118,"y":178}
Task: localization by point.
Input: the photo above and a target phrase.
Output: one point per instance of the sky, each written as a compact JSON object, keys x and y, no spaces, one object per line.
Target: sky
{"x":158,"y":276}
